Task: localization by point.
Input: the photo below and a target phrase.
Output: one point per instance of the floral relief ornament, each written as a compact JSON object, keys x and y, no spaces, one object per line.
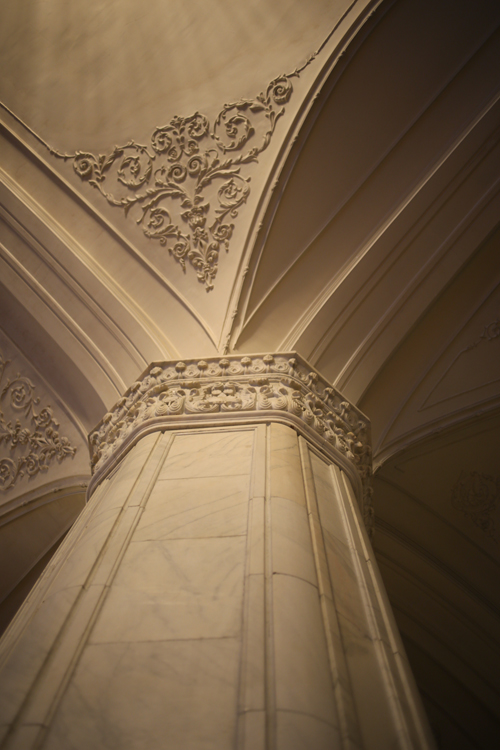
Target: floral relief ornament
{"x":33,"y":440}
{"x":165,"y":184}
{"x":477,"y":495}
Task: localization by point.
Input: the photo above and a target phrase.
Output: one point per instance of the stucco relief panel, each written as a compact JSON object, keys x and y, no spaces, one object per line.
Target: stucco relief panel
{"x":29,"y":432}
{"x":186,"y":187}
{"x":477,"y":495}
{"x":39,"y":443}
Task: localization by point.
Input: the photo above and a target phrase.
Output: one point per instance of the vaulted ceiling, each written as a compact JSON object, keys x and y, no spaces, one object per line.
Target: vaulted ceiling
{"x":204,"y":177}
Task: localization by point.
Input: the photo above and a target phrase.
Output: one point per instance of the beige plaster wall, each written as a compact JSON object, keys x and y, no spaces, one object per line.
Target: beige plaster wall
{"x":95,"y":73}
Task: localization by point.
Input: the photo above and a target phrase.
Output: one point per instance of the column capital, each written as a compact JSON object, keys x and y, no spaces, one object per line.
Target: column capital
{"x":235,"y":389}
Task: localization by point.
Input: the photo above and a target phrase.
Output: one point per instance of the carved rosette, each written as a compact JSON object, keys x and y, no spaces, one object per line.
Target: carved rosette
{"x":235,"y":388}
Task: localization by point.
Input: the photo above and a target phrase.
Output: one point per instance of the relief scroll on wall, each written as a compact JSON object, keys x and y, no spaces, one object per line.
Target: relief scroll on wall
{"x":164,"y":187}
{"x":477,"y":496}
{"x":29,"y":437}
{"x":185,"y":188}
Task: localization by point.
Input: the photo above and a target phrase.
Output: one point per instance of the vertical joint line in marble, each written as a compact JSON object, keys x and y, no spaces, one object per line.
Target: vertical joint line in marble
{"x":248,"y":616}
{"x":347,"y":509}
{"x":310,"y":495}
{"x":161,"y":446}
{"x":270,"y":688}
{"x":390,"y":629}
{"x":60,"y":635}
{"x":330,"y":621}
{"x":109,"y":482}
{"x":85,"y":631}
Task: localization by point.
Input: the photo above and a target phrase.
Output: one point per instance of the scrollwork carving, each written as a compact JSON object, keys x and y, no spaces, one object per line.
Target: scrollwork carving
{"x":32,"y":439}
{"x":490,"y":333}
{"x":234,"y":385}
{"x":164,"y":185}
{"x":477,"y":495}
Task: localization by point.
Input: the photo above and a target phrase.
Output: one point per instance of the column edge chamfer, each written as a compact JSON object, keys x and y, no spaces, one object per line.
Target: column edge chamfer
{"x":238,"y":389}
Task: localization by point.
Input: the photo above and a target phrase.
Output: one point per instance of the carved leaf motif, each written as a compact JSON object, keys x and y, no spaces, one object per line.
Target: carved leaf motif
{"x":147,"y":179}
{"x":477,"y":495}
{"x":34,"y":443}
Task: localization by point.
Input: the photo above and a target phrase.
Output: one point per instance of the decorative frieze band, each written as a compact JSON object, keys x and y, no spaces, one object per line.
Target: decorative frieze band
{"x":239,"y":388}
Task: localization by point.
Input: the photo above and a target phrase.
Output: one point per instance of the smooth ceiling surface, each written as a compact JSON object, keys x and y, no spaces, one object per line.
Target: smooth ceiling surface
{"x":89,"y":75}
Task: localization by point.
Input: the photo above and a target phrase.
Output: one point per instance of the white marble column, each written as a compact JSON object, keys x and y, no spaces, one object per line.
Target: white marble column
{"x":219,"y":590}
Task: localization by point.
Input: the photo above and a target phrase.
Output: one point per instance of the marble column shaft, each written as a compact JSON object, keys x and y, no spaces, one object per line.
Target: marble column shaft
{"x":218,"y":591}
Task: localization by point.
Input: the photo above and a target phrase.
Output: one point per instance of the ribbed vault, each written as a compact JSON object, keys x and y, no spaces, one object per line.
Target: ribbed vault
{"x":364,"y":236}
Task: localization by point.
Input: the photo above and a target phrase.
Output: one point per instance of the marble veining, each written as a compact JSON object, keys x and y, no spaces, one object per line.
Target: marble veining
{"x":175,"y":589}
{"x":276,"y":388}
{"x":196,"y":507}
{"x":128,"y":696}
{"x":209,"y":454}
{"x":190,"y":591}
{"x":303,"y":677}
{"x":300,"y":731}
{"x":291,"y":540}
{"x":286,"y":474}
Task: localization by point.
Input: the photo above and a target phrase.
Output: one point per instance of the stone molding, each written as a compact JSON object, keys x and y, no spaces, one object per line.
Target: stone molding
{"x":236,"y":389}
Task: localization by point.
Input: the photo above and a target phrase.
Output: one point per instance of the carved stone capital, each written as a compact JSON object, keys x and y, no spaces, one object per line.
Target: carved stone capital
{"x":239,"y":389}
